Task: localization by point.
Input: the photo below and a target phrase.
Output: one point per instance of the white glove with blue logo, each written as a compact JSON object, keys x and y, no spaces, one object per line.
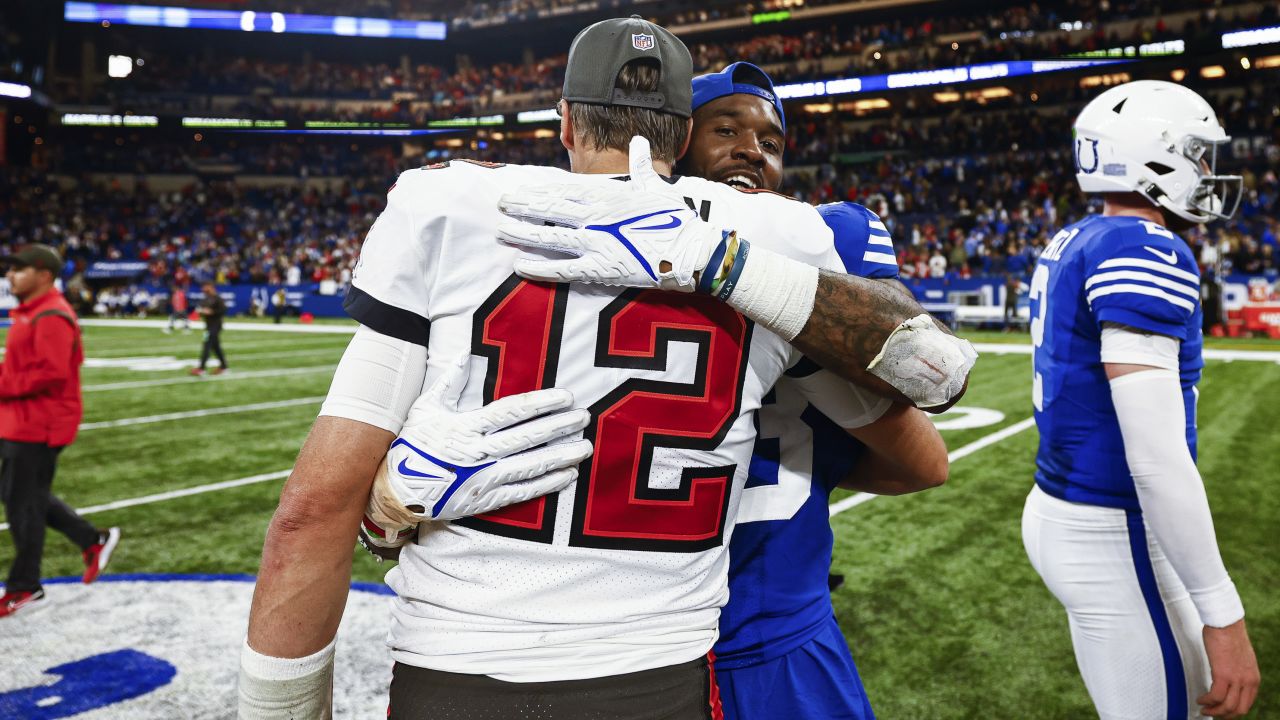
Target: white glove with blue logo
{"x":632,"y":234}
{"x":448,"y":464}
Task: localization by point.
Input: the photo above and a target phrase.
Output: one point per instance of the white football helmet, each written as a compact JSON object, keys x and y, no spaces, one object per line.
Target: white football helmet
{"x":1158,"y":139}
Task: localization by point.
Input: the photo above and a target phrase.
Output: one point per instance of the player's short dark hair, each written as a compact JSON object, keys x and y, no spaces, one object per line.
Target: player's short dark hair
{"x":606,"y":127}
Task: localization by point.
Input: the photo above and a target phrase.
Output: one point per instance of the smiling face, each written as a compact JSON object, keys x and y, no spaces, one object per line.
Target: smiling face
{"x":737,"y":140}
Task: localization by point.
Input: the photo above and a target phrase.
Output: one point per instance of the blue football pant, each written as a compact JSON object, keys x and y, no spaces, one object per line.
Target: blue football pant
{"x":816,"y":681}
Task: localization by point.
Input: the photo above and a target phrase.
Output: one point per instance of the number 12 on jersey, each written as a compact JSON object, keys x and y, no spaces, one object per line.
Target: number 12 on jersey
{"x":519,"y":330}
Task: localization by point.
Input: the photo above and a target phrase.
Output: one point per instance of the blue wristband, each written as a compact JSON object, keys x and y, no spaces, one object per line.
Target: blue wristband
{"x":739,"y":262}
{"x":709,"y":273}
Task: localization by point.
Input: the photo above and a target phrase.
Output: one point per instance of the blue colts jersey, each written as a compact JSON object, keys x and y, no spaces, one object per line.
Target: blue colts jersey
{"x":1119,"y":270}
{"x":780,"y":552}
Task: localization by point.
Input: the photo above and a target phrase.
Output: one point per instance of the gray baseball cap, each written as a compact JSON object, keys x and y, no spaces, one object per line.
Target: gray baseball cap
{"x":600,"y":51}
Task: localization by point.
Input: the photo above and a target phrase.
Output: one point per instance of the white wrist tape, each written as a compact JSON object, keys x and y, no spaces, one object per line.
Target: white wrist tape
{"x":273,"y":688}
{"x":925,"y":364}
{"x":377,"y":380}
{"x":775,"y":291}
{"x":1153,"y":423}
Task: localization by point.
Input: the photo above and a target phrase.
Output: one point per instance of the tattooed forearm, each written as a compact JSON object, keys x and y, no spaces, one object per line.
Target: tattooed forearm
{"x":852,"y":318}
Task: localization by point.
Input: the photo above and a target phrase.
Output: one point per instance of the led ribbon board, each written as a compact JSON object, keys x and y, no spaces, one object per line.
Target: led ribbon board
{"x":925,"y":78}
{"x":250,"y":21}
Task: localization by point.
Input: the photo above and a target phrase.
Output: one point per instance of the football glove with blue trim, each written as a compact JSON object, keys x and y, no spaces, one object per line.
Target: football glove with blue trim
{"x":637,"y":234}
{"x":448,"y":464}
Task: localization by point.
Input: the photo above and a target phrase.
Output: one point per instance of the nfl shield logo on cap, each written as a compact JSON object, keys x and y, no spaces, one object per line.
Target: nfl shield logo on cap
{"x":641,"y":41}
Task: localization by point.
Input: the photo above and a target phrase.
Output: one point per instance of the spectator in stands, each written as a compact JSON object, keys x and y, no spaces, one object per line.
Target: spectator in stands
{"x":40,"y":412}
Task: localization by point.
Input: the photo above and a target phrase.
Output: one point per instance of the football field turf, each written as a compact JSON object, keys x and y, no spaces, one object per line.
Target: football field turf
{"x":945,"y":615}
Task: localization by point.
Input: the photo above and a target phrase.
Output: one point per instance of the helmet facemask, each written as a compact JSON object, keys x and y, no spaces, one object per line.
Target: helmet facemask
{"x":1212,"y":196}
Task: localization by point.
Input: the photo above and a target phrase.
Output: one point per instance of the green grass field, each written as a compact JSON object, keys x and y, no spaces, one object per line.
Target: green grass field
{"x":945,"y":615}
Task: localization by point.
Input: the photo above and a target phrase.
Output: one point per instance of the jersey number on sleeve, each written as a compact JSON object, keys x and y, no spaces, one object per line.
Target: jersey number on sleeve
{"x":518,"y":329}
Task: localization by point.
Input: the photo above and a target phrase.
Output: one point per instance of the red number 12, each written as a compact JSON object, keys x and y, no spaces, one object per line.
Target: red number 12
{"x":519,"y":329}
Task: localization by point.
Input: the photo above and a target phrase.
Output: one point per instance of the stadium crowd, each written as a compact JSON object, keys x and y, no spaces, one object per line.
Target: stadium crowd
{"x":984,"y":203}
{"x":175,"y":83}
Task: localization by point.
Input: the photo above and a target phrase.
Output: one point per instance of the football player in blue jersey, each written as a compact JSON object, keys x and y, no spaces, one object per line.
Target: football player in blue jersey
{"x":1118,"y":523}
{"x":781,"y":652}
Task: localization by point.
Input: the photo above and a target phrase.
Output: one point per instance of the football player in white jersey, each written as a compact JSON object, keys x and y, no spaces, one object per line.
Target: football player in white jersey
{"x":603,"y":598}
{"x":1118,"y":523}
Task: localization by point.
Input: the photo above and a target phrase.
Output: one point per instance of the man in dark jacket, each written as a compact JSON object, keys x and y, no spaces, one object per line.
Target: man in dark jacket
{"x":40,"y":411}
{"x":212,"y":308}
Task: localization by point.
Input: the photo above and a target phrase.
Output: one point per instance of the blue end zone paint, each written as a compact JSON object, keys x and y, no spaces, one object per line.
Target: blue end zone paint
{"x":375,"y":588}
{"x":1175,"y":682}
{"x":89,"y":684}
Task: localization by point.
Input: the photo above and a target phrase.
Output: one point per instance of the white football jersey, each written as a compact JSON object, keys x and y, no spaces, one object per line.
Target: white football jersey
{"x":625,"y":570}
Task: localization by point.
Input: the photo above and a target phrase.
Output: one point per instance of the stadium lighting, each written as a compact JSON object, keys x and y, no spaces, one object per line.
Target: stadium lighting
{"x":1267,"y":62}
{"x":119,"y":66}
{"x":15,"y":90}
{"x":537,"y":116}
{"x":944,"y":76}
{"x":95,"y":120}
{"x":1254,"y":36}
{"x":1212,"y":72}
{"x":250,"y":21}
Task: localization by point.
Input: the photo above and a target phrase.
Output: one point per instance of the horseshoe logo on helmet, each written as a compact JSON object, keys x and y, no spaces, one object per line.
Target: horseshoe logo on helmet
{"x":1080,"y":166}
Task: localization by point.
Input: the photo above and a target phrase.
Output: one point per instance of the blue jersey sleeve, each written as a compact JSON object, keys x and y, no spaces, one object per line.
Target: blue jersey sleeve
{"x":861,"y":239}
{"x":1142,"y":275}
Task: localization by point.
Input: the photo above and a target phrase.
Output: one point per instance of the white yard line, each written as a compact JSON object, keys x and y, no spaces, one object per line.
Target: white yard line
{"x":855,"y":500}
{"x":174,"y":494}
{"x":146,"y":419}
{"x":1209,"y":353}
{"x":231,"y":375}
{"x":263,"y":327}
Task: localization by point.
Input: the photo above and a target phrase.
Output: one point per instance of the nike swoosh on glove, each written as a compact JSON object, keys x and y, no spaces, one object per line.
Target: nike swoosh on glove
{"x":449,"y":464}
{"x":638,"y":233}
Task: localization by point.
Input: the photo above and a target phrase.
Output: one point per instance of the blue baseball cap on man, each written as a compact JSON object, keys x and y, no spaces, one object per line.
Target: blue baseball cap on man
{"x":740,"y":78}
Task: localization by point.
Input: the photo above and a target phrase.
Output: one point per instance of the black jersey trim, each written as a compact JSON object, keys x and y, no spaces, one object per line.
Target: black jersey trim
{"x":386,"y":319}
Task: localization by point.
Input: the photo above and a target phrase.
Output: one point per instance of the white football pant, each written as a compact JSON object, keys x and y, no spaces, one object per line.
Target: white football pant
{"x":1137,"y":635}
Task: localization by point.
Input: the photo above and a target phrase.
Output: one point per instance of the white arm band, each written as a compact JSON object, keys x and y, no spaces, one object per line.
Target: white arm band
{"x":274,"y":688}
{"x":775,"y":291}
{"x":1152,"y":420}
{"x":377,"y":380}
{"x":1123,"y":345}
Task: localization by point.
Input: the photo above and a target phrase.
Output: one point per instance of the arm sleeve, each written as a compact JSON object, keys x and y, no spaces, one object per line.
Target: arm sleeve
{"x":843,"y":403}
{"x":54,"y":338}
{"x":1143,"y":276}
{"x":861,"y":240}
{"x":377,"y":380}
{"x":388,"y":291}
{"x":1149,"y":407}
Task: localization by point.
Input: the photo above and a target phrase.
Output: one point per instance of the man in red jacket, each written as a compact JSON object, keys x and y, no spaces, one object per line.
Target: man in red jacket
{"x":40,"y":411}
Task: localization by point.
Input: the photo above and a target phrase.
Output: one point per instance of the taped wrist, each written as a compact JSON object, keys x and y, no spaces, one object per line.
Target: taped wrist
{"x":768,"y":287}
{"x":925,"y":364}
{"x":273,"y":688}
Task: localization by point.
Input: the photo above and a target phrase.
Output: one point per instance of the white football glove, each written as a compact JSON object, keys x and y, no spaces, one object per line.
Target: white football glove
{"x":448,"y":464}
{"x":633,"y":234}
